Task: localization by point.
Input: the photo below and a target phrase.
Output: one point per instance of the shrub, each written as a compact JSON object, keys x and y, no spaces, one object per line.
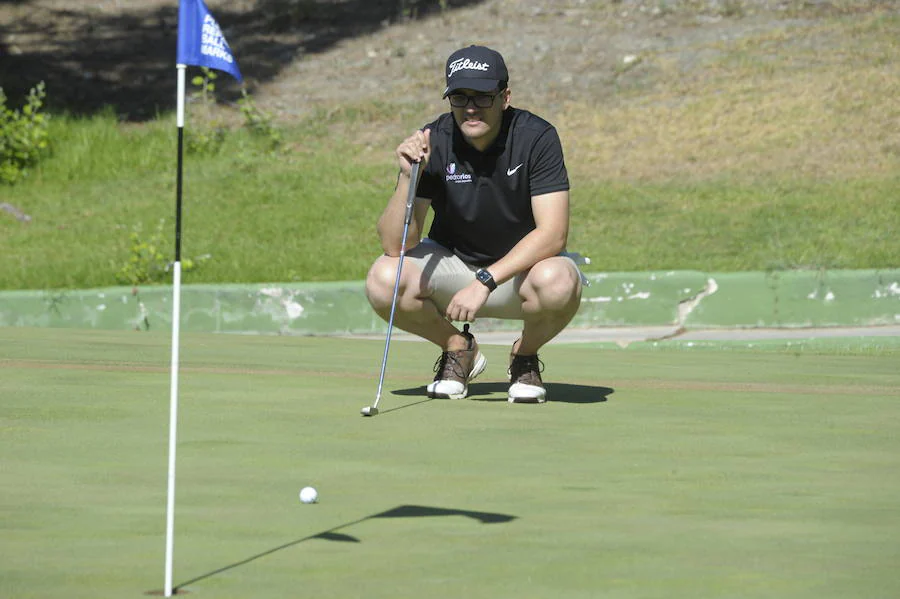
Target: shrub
{"x":23,"y":135}
{"x":147,"y":261}
{"x":259,"y":123}
{"x":207,"y":135}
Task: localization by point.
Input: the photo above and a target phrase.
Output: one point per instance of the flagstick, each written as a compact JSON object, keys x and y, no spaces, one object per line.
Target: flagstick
{"x":176,"y":326}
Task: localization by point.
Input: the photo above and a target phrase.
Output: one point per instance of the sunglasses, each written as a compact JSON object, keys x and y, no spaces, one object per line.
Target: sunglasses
{"x":480,"y":100}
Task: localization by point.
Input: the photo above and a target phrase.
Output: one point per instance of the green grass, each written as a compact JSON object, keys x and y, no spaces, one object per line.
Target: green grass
{"x":308,"y":215}
{"x":729,"y":226}
{"x":738,"y":474}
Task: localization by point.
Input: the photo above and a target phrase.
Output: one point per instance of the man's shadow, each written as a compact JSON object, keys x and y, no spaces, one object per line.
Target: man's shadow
{"x":556,"y":392}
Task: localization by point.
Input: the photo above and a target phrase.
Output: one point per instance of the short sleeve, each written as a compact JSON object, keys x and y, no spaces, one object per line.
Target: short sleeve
{"x":547,"y":167}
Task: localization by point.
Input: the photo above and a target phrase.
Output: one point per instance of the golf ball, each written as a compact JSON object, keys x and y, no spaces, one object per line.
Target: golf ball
{"x":309,"y":495}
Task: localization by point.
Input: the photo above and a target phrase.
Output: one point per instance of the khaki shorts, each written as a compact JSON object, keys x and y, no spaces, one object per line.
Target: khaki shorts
{"x":444,"y":274}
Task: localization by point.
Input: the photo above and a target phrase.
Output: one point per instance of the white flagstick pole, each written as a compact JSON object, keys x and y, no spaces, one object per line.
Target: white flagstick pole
{"x":176,"y":325}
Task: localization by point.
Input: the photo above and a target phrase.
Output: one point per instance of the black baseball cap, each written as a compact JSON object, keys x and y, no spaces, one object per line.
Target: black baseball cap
{"x":476,"y":67}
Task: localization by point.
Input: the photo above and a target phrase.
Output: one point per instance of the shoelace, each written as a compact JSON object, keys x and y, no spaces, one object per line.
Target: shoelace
{"x":456,"y":368}
{"x":449,"y":359}
{"x":523,"y":364}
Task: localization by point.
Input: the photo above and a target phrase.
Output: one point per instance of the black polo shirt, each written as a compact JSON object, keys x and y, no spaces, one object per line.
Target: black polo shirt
{"x":482,"y":200}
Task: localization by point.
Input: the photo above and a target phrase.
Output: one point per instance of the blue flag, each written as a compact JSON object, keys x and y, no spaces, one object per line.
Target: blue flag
{"x":200,"y":40}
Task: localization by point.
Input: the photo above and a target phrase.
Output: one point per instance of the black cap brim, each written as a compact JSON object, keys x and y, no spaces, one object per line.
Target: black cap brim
{"x":479,"y":85}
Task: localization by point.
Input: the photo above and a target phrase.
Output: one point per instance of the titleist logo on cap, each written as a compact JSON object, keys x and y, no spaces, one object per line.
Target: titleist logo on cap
{"x":477,"y":68}
{"x":464,"y":63}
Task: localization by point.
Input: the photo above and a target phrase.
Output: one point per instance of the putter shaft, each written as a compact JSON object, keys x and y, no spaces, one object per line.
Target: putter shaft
{"x":410,"y":200}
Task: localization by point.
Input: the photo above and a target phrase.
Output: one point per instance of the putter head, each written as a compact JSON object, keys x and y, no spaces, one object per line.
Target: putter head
{"x":369,"y":411}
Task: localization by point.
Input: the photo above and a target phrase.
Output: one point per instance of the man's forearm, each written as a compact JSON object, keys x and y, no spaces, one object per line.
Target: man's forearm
{"x":531,"y":249}
{"x":392,"y":220}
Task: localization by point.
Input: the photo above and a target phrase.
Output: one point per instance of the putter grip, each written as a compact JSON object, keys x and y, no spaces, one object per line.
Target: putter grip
{"x":413,"y":182}
{"x":411,"y":196}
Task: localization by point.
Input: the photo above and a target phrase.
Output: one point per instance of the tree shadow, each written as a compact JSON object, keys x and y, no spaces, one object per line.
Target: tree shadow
{"x":556,"y":392}
{"x":91,"y":58}
{"x":332,"y":534}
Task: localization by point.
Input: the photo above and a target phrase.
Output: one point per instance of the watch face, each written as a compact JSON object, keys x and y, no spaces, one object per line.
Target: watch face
{"x":485,"y":278}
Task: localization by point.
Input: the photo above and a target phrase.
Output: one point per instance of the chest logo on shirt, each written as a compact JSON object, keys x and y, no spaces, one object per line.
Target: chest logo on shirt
{"x":454,"y":177}
{"x":512,"y":171}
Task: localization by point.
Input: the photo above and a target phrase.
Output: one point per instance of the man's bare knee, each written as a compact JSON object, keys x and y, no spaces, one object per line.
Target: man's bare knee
{"x":382,"y":278}
{"x":553,"y":284}
{"x":380,"y":282}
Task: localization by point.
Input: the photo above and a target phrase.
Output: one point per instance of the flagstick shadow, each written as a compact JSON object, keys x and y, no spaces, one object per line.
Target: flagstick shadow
{"x":329,"y":534}
{"x":332,"y":534}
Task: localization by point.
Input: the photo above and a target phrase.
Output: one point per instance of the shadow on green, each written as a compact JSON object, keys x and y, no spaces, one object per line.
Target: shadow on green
{"x":332,"y":534}
{"x":556,"y":392}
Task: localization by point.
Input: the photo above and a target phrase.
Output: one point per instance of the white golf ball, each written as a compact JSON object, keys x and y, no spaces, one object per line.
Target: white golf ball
{"x":309,"y":495}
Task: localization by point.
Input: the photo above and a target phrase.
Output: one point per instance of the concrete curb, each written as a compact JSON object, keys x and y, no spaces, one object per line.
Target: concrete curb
{"x":682,"y":300}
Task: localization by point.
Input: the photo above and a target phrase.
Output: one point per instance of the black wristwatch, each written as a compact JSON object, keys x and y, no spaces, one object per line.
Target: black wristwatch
{"x":486,"y":278}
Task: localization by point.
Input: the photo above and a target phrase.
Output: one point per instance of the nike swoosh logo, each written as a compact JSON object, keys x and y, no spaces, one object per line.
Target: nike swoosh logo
{"x":512,"y":171}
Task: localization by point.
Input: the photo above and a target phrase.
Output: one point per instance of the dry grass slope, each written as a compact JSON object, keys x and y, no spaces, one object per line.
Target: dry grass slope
{"x":779,"y":103}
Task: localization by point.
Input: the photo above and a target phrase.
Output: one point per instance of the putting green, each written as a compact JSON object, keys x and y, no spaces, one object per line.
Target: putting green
{"x":652,"y":473}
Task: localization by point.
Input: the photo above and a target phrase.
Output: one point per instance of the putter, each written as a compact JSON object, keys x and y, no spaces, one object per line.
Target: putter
{"x":410,"y":200}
